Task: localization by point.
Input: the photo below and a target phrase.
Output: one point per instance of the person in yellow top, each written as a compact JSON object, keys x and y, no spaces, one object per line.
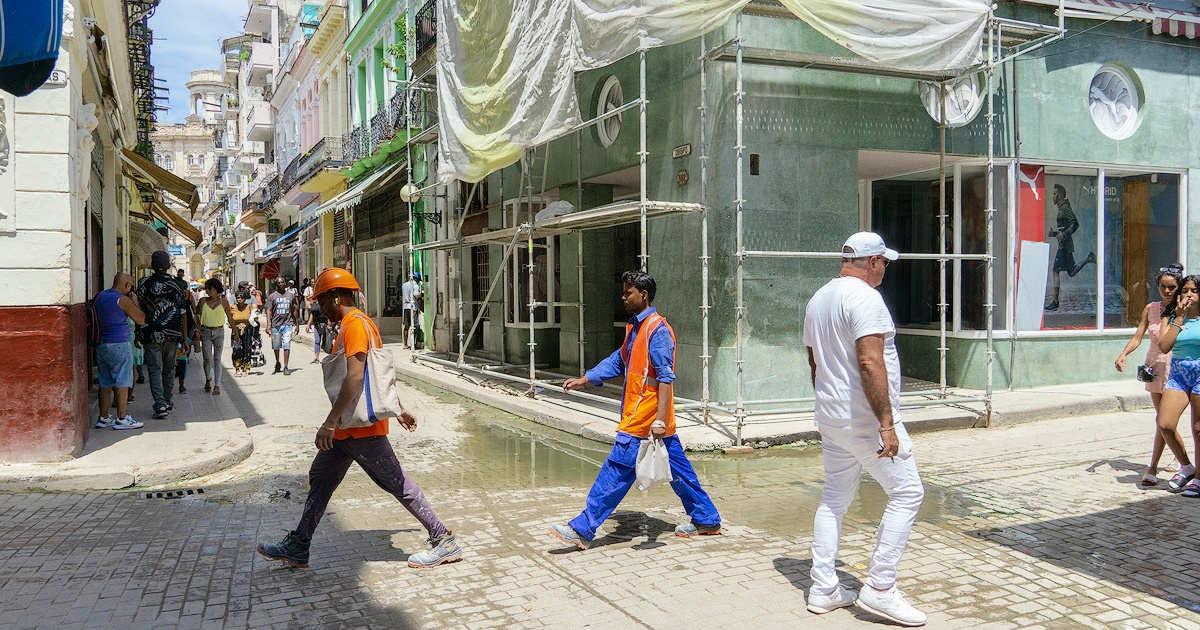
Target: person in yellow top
{"x":213,"y":313}
{"x":647,"y":361}
{"x":369,"y":446}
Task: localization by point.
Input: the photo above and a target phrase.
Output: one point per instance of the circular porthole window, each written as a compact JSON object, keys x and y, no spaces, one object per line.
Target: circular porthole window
{"x":1115,"y":101}
{"x":610,"y":98}
{"x":964,"y":99}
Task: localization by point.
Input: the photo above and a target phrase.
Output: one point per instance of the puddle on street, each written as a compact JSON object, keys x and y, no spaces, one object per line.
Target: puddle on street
{"x":775,"y":489}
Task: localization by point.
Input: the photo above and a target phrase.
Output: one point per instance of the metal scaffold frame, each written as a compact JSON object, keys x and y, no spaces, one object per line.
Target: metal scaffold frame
{"x":1029,"y":35}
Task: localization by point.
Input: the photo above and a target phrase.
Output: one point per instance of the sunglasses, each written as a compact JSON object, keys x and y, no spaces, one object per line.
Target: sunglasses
{"x":886,"y":262}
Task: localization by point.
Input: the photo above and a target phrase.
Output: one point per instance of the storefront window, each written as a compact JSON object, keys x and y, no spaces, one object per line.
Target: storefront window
{"x":1099,"y":266}
{"x":904,"y":210}
{"x":1141,"y":229}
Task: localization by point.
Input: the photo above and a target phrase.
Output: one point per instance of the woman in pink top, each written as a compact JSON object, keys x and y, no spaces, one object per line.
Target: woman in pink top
{"x":1169,"y":279}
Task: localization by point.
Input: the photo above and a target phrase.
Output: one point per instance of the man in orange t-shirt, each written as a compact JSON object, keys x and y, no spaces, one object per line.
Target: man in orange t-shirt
{"x":369,"y":446}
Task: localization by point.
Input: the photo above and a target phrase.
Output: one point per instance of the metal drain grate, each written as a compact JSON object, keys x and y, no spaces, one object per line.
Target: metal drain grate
{"x":173,"y":494}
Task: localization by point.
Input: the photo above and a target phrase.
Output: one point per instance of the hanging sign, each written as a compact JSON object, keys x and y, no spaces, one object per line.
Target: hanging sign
{"x":681,"y":150}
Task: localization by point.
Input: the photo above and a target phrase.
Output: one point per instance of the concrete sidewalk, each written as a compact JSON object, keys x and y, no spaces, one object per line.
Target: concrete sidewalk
{"x":598,"y":421}
{"x":204,"y":434}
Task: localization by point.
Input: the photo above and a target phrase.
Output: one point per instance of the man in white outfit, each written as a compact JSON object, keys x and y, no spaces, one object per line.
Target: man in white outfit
{"x":851,"y":342}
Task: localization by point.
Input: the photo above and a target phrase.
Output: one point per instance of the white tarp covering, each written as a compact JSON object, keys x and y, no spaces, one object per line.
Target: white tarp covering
{"x":506,"y":68}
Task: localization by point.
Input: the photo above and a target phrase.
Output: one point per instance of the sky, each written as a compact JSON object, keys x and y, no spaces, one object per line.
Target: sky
{"x":187,"y":36}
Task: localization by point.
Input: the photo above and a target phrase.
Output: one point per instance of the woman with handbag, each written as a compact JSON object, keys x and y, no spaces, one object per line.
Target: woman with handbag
{"x":215,"y":313}
{"x":239,"y":317}
{"x":1180,"y":335}
{"x":360,"y":381}
{"x":1153,"y":372}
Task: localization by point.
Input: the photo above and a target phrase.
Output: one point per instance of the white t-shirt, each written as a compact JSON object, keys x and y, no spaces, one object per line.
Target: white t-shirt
{"x":840,"y":313}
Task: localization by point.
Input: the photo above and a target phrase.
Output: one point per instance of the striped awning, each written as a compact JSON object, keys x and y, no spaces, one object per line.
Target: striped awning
{"x":1176,"y":27}
{"x":1164,"y":21}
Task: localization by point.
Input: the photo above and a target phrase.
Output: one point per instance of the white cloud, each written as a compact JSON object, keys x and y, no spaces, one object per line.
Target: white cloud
{"x":187,"y":36}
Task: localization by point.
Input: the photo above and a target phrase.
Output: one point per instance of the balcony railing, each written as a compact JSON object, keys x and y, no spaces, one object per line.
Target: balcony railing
{"x":326,"y":153}
{"x":426,"y":23}
{"x":391,"y":117}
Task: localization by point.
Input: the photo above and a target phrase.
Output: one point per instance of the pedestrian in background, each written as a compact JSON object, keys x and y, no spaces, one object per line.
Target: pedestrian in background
{"x":851,"y":341}
{"x":318,"y":325}
{"x":165,"y":303}
{"x":1180,"y":335}
{"x":410,"y":295}
{"x":282,"y":316}
{"x":647,"y":361}
{"x":240,"y":320}
{"x":114,"y":355}
{"x":337,"y":448}
{"x":214,"y":315}
{"x":1157,"y":363}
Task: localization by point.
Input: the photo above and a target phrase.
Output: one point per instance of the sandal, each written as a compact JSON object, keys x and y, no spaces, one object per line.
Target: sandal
{"x":1173,"y":467}
{"x":217,"y":390}
{"x":1179,"y":481}
{"x":1191,"y":491}
{"x":208,"y":386}
{"x":1149,"y":480}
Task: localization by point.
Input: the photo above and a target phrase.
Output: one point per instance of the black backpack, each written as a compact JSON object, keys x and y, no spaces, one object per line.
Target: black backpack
{"x":92,"y":330}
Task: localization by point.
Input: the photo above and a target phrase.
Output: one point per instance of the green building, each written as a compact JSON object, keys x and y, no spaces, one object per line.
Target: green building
{"x":1100,"y":117}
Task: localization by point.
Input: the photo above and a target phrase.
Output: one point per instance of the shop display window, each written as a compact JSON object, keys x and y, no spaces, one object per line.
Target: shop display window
{"x":904,"y":210}
{"x":1098,"y":237}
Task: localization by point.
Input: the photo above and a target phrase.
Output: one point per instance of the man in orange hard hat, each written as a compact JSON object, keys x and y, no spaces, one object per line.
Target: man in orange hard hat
{"x":369,"y":446}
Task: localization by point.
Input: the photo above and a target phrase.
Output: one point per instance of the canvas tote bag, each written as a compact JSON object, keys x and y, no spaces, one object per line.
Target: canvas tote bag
{"x":378,"y":399}
{"x":653,"y":464}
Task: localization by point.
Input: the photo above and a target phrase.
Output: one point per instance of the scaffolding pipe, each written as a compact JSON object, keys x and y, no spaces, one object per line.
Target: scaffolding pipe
{"x":905,"y":255}
{"x":1016,"y":222}
{"x":989,"y":305}
{"x":704,"y":258}
{"x":529,"y":271}
{"x":739,"y":203}
{"x":579,"y":245}
{"x":501,"y":273}
{"x":642,"y":154}
{"x":942,"y":240}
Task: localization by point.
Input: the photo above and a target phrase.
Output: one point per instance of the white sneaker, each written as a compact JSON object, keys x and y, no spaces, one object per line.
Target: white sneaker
{"x":104,"y":423}
{"x":890,"y":604}
{"x":126,"y":423}
{"x":821,"y":604}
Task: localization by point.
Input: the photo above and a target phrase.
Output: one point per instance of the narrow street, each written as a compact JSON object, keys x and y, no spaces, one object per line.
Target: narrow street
{"x":1038,"y":525}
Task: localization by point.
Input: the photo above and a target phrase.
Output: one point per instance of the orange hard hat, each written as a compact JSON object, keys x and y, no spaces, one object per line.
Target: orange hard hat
{"x":335,"y":278}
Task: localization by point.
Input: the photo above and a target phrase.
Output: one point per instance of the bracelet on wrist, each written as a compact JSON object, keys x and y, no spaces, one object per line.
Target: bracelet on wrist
{"x":886,"y":429}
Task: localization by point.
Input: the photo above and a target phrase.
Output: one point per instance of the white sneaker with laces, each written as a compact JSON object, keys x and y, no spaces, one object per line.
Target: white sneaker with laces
{"x":821,"y":604}
{"x":126,"y":423}
{"x":890,"y":604}
{"x":104,"y":423}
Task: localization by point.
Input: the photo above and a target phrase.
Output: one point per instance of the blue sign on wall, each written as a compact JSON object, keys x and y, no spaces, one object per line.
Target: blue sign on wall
{"x":175,"y":250}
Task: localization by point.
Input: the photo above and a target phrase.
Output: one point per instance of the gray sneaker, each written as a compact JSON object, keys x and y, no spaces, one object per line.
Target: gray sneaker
{"x":104,"y":423}
{"x":441,"y":551}
{"x":821,"y":604}
{"x":691,"y":529}
{"x":567,"y":534}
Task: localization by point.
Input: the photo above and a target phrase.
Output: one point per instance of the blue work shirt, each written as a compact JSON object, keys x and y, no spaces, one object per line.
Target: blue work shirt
{"x":662,"y":354}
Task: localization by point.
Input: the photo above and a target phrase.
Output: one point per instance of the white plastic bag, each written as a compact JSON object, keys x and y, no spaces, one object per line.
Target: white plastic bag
{"x":653,"y":464}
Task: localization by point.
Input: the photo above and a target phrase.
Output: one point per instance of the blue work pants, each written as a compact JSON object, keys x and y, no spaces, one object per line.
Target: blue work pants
{"x":618,"y":475}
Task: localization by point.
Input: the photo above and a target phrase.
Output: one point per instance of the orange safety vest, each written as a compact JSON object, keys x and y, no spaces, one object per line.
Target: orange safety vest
{"x":641,"y":381}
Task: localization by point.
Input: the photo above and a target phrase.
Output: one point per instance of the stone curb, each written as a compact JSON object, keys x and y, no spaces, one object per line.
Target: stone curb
{"x":61,"y":477}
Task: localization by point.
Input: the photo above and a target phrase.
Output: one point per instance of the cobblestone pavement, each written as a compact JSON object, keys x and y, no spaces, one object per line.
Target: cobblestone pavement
{"x":1039,"y":525}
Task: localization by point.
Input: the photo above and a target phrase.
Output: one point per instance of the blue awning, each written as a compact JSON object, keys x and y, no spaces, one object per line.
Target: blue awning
{"x":30,"y":34}
{"x":286,"y":239}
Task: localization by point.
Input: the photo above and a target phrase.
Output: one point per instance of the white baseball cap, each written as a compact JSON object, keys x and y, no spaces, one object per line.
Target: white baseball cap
{"x":865,"y":244}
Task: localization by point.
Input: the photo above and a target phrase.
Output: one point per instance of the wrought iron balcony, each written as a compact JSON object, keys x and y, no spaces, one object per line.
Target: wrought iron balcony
{"x":326,"y":153}
{"x":426,"y":23}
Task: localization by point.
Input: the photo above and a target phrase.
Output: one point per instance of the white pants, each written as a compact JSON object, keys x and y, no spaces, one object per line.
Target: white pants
{"x":846,"y":453}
